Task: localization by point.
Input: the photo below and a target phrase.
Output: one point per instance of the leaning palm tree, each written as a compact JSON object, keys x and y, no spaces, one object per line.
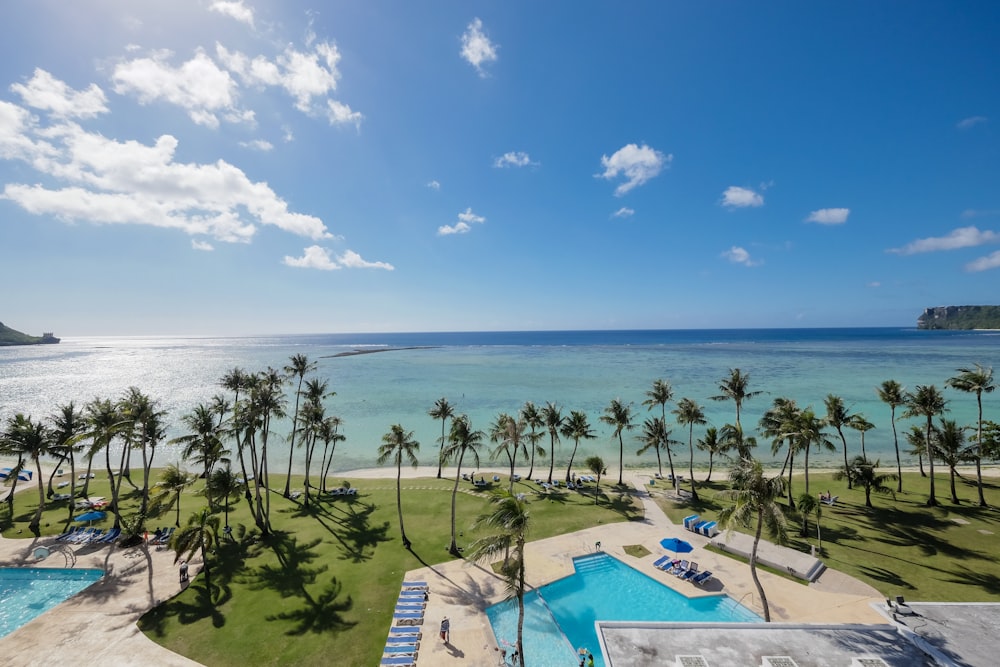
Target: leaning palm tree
{"x":533,"y":418}
{"x":199,"y":535}
{"x":948,"y":441}
{"x":978,"y":381}
{"x":508,"y":433}
{"x":619,"y":416}
{"x":755,"y":503}
{"x":661,"y":394}
{"x":461,"y":441}
{"x":511,"y":521}
{"x":173,"y":481}
{"x":862,"y":426}
{"x":297,"y":367}
{"x":892,"y":394}
{"x":781,"y":424}
{"x":917,"y":440}
{"x":838,"y":417}
{"x":398,"y":444}
{"x":715,"y":446}
{"x":864,"y":473}
{"x":735,"y":388}
{"x":655,"y":436}
{"x":553,"y":419}
{"x":578,"y":428}
{"x":28,"y":439}
{"x":444,"y":411}
{"x":595,"y":464}
{"x":926,"y":402}
{"x":690,"y":413}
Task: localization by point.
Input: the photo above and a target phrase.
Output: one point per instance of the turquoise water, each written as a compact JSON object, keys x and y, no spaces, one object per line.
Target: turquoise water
{"x":484,"y":373}
{"x":560,"y":617}
{"x":26,"y":593}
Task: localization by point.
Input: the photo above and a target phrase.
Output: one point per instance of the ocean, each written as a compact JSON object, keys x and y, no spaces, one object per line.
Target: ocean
{"x":485,"y":373}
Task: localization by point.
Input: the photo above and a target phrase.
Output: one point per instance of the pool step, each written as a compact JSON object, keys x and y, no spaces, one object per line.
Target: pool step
{"x":598,"y":563}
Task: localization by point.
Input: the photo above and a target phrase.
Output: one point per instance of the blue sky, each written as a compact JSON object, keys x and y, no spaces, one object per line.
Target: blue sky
{"x":243,"y":167}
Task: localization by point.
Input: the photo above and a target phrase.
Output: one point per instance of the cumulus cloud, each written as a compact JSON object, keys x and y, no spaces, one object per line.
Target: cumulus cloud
{"x":258,"y":145}
{"x":234,"y":9}
{"x":737,"y":197}
{"x":991,"y":261}
{"x":464,"y":225}
{"x":202,"y":245}
{"x":341,"y":114}
{"x":971,"y":121}
{"x":512,"y":159}
{"x":434,"y":185}
{"x":829,"y":216}
{"x":624,"y":212}
{"x":963,"y":237}
{"x":477,"y":49}
{"x":43,"y":91}
{"x":318,"y":257}
{"x":637,"y":163}
{"x":738,"y":255}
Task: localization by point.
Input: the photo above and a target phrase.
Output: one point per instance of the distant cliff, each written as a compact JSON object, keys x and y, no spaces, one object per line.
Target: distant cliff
{"x":960,"y":317}
{"x":10,"y":336}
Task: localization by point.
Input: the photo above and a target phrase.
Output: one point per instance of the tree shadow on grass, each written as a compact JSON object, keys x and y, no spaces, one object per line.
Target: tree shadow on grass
{"x":195,"y":604}
{"x":625,"y":505}
{"x":348,"y":522}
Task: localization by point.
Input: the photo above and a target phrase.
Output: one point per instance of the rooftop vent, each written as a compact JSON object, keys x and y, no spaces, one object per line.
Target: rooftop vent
{"x":868,"y":661}
{"x":690,"y":661}
{"x":777,"y":661}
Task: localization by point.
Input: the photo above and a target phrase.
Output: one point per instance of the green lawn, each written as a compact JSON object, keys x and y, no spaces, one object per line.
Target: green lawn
{"x":901,"y":546}
{"x":324,"y":586}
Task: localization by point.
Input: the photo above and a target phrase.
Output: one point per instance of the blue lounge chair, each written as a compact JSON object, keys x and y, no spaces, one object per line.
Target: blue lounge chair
{"x":410,"y":617}
{"x":401,"y":661}
{"x":696,"y":526}
{"x":413,"y":585}
{"x":679,"y":567}
{"x":670,"y":564}
{"x":707,"y":528}
{"x":410,"y":649}
{"x":690,"y":572}
{"x":659,"y":562}
{"x":111,"y":536}
{"x":404,"y":630}
{"x":411,"y":606}
{"x":68,"y":534}
{"x":81,"y":536}
{"x":689,"y":520}
{"x":702,"y":578}
{"x":404,"y":639}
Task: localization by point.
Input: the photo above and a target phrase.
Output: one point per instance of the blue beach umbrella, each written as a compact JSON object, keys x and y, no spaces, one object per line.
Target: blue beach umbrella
{"x":675,"y":544}
{"x":90,"y":516}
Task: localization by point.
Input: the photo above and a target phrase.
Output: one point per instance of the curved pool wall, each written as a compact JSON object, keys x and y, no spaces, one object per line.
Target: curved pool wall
{"x":28,"y":592}
{"x":560,"y":616}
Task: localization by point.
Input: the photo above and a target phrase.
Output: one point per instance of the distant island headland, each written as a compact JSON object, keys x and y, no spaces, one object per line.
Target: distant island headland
{"x":960,"y":317}
{"x":10,"y":336}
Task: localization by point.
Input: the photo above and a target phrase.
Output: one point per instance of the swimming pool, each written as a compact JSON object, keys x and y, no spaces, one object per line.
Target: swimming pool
{"x":29,"y":592}
{"x":559,"y":617}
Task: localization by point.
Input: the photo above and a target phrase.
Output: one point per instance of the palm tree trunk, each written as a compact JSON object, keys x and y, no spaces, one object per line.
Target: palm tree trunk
{"x":576,"y":443}
{"x":753,"y":567}
{"x":520,"y":600}
{"x":453,"y":548}
{"x":552,"y":456}
{"x":979,"y":451}
{"x":441,"y":449}
{"x":846,"y":464}
{"x":399,"y":502}
{"x":51,"y":492}
{"x":954,"y":496}
{"x":805,"y":468}
{"x":37,"y":520}
{"x":694,"y":492}
{"x":621,"y":459}
{"x":791,"y":468}
{"x":711,"y":464}
{"x":899,"y":464}
{"x":72,"y":484}
{"x":932,"y":499}
{"x":291,"y":445}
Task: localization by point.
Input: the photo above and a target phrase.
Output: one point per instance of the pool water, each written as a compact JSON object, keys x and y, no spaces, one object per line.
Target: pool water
{"x":560,"y":617}
{"x":28,"y":592}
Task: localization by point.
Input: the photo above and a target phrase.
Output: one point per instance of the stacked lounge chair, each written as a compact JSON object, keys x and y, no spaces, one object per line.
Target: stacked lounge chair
{"x":411,"y":603}
{"x":709,"y":528}
{"x":403,"y":642}
{"x":690,"y":521}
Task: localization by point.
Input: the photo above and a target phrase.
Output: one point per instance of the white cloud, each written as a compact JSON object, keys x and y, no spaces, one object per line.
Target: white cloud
{"x":202,"y":245}
{"x":737,"y":197}
{"x":874,"y":284}
{"x":637,"y":163}
{"x":991,"y":261}
{"x":434,"y":185}
{"x":464,"y":225}
{"x":287,"y":135}
{"x":976,"y":213}
{"x":963,"y":237}
{"x":340,"y":114}
{"x":971,"y":121}
{"x":477,"y":49}
{"x":738,"y":255}
{"x":43,"y":91}
{"x":512,"y":159}
{"x":624,"y":212}
{"x":317,"y":257}
{"x":829,"y":216}
{"x":234,"y":9}
{"x":198,"y":86}
{"x":258,"y":145}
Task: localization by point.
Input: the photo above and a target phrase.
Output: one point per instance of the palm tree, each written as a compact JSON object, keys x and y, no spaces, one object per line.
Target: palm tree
{"x":533,"y":418}
{"x":861,"y":425}
{"x":978,"y":381}
{"x":917,"y":440}
{"x":68,"y":427}
{"x":172,"y":483}
{"x":329,"y":433}
{"x":398,"y":444}
{"x":755,"y":503}
{"x":508,"y":432}
{"x":312,"y":417}
{"x":204,"y":443}
{"x":297,"y":367}
{"x":595,"y":464}
{"x":808,"y":504}
{"x":892,"y":394}
{"x":199,"y":535}
{"x":619,"y":416}
{"x":735,"y":388}
{"x":444,"y":411}
{"x":655,"y":436}
{"x":838,"y":417}
{"x":461,"y":440}
{"x":926,"y":402}
{"x":511,"y":520}
{"x":948,"y":441}
{"x":732,"y":438}
{"x":690,"y":413}
{"x":714,"y":445}
{"x":27,"y":439}
{"x":661,"y":394}
{"x":224,"y":484}
{"x":553,"y":419}
{"x":863,"y":472}
{"x":578,"y":428}
{"x":781,"y":424}
{"x":810,"y":432}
